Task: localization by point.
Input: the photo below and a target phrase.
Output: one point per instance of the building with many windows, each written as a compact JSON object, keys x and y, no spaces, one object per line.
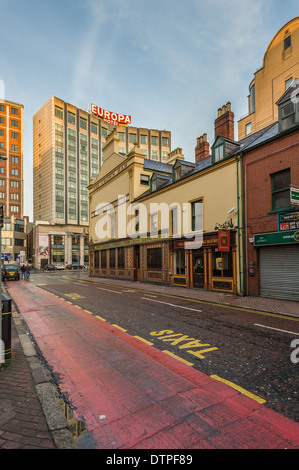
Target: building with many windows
{"x":68,"y":152}
{"x":11,"y":149}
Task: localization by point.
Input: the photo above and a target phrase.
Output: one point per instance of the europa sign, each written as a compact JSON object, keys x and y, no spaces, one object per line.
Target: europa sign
{"x":111,"y":118}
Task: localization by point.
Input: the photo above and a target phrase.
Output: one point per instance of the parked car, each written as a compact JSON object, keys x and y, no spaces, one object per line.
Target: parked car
{"x":59,"y":266}
{"x":50,"y":267}
{"x":11,"y":271}
{"x":75,"y":266}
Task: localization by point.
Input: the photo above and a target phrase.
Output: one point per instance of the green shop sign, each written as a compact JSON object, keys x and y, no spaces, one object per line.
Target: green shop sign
{"x":276,"y":238}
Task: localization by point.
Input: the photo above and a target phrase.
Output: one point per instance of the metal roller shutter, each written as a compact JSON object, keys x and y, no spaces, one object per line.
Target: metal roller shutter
{"x":279,"y":272}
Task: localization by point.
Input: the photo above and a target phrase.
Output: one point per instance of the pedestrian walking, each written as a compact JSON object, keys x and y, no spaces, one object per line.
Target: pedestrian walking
{"x":23,"y":271}
{"x":27,"y":272}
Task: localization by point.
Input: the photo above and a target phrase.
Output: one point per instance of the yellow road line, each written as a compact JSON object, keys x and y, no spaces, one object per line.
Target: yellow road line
{"x":119,"y":327}
{"x":240,"y":389}
{"x":103,"y":319}
{"x":91,"y":313}
{"x":177,"y":357}
{"x":144,"y":340}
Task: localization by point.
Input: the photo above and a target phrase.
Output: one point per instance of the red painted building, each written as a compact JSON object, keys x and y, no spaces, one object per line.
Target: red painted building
{"x":271,"y":220}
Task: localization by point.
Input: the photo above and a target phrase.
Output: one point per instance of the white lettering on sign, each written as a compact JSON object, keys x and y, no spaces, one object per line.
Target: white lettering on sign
{"x":108,"y":116}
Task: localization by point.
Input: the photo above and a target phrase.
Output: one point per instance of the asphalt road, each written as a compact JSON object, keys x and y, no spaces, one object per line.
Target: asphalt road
{"x":251,"y":350}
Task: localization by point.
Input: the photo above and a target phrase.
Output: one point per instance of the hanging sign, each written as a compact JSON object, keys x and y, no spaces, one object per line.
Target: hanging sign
{"x":108,"y":116}
{"x":223,"y":240}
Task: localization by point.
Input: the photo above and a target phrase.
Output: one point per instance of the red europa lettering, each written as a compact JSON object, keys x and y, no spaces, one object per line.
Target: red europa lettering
{"x":109,"y":116}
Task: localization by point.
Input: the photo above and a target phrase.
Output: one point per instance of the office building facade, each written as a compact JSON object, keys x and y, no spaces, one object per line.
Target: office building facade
{"x":67,"y":155}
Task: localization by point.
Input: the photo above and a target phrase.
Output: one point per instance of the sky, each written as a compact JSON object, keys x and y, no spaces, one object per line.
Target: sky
{"x":164,"y":62}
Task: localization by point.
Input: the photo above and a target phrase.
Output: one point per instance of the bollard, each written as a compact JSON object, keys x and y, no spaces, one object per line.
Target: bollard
{"x":6,"y":325}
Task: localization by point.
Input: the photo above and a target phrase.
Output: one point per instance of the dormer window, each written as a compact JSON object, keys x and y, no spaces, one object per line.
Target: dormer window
{"x":177,"y":173}
{"x":153,"y":184}
{"x":219,"y":152}
{"x":287,"y":116}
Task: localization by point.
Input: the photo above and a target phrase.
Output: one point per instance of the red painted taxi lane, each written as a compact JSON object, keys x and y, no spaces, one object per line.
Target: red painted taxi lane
{"x":132,"y":395}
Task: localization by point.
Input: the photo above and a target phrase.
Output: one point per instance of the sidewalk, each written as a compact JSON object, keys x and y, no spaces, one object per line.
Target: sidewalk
{"x":276,"y":306}
{"x":191,"y":406}
{"x":30,"y":416}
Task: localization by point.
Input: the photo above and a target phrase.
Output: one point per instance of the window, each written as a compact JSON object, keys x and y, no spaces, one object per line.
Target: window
{"x":104,"y":132}
{"x":164,"y":156}
{"x":14,"y":135}
{"x":83,"y":123}
{"x":154,"y":223}
{"x":15,"y":172}
{"x":121,"y":136}
{"x":219,"y":152}
{"x":143,"y":139}
{"x":71,"y":118}
{"x":14,"y":208}
{"x":1,"y":145}
{"x":287,"y":42}
{"x":288,"y":83}
{"x":7,"y":241}
{"x":14,"y":123}
{"x":19,"y":242}
{"x":96,"y":259}
{"x":179,"y":262}
{"x":104,"y":259}
{"x":112,"y":258}
{"x":252,"y":99}
{"x":2,"y":195}
{"x":14,"y":184}
{"x":287,"y":116}
{"x":2,"y":132}
{"x":94,"y":128}
{"x":154,"y":258}
{"x":174,"y":221}
{"x":1,"y":120}
{"x":14,"y":111}
{"x":1,"y":107}
{"x":281,"y":189}
{"x":144,"y":179}
{"x":154,"y":140}
{"x":2,"y":182}
{"x":112,"y":226}
{"x":177,"y":173}
{"x":19,"y":228}
{"x":197,"y":216}
{"x":248,"y":128}
{"x":1,"y":169}
{"x":121,"y":257}
{"x":132,"y":138}
{"x":58,"y":112}
{"x":153,"y":184}
{"x":165,"y":141}
{"x":155,"y":155}
{"x":14,"y":196}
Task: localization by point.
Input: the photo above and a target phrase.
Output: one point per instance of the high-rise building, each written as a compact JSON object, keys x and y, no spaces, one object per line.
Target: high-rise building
{"x":11,"y":148}
{"x":67,"y":155}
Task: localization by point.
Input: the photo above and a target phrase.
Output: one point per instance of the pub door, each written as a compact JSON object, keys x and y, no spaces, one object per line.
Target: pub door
{"x":198,"y":269}
{"x":137,"y":263}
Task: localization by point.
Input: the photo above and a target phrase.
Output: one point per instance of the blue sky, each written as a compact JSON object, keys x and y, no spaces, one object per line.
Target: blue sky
{"x":165,"y":62}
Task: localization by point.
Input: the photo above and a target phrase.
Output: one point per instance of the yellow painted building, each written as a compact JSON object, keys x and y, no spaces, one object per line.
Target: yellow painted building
{"x":280,"y":67}
{"x":159,"y":222}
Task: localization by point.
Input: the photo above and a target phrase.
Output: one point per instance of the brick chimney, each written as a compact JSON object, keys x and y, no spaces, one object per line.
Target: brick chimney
{"x":202,"y":148}
{"x":224,"y":124}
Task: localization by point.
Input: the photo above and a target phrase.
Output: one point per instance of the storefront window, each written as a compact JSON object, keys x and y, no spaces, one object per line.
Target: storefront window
{"x":222,"y":264}
{"x":97,"y":259}
{"x":112,"y":258}
{"x":154,"y":258}
{"x":179,"y":262}
{"x":103,"y":259}
{"x":121,"y":257}
{"x":57,"y":248}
